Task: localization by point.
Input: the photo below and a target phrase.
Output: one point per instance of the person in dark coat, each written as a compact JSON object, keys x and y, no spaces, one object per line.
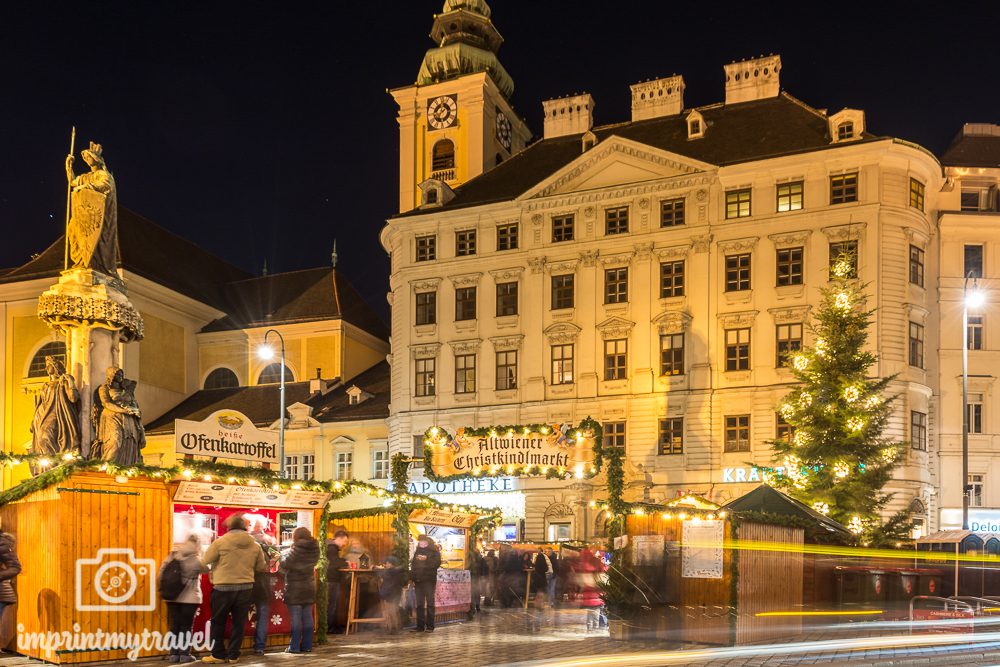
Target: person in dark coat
{"x":539,"y":565}
{"x":334,"y":564}
{"x":299,"y":567}
{"x":10,"y":567}
{"x":511,"y":576}
{"x":423,"y":573}
{"x":263,"y":591}
{"x":492,"y":572}
{"x":479,"y":574}
{"x":390,"y":591}
{"x":552,"y":575}
{"x":182,"y":609}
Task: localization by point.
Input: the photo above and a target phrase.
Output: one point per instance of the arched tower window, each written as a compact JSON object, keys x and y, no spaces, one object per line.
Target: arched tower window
{"x":55,"y":349}
{"x":443,"y":155}
{"x":222,"y":378}
{"x":272,"y":374}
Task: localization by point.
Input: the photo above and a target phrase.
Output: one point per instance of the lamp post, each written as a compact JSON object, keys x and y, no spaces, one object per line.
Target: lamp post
{"x":266,"y":352}
{"x":974,"y":299}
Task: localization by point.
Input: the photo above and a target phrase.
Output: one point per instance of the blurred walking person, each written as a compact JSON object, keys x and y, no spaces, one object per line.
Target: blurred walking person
{"x":423,"y":573}
{"x":299,"y":567}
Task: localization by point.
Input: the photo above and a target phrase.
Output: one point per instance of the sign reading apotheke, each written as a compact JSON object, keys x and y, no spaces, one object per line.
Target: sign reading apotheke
{"x":559,"y":449}
{"x":226,"y":434}
{"x":471,"y":485}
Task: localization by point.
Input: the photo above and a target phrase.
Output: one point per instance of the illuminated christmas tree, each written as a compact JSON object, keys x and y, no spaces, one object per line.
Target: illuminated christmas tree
{"x":837,"y":459}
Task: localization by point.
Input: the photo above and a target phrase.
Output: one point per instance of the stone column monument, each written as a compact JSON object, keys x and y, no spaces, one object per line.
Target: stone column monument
{"x":90,"y":306}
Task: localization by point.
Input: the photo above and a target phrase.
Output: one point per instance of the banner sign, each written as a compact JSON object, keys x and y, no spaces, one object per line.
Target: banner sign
{"x":210,"y":493}
{"x":226,"y":434}
{"x":426,"y":487}
{"x":551,"y":450}
{"x":438,"y":517}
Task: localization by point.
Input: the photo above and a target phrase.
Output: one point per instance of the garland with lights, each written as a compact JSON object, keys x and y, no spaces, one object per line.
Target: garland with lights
{"x":837,"y":459}
{"x":435,"y":435}
{"x":399,"y":474}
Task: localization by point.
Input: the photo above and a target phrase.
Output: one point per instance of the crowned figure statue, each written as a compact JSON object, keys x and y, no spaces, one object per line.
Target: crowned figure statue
{"x":93,"y":228}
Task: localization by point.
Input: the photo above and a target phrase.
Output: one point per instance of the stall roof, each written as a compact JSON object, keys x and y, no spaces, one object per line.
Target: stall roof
{"x":945,"y":537}
{"x":767,"y":499}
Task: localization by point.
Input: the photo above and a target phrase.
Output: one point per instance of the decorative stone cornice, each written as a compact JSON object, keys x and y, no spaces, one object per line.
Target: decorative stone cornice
{"x":916,"y":237}
{"x":507,"y":275}
{"x":790,"y":314}
{"x":915,"y":311}
{"x":562,"y":332}
{"x":467,"y":346}
{"x":739,"y":245}
{"x":743,"y":318}
{"x":425,"y":284}
{"x":644,"y":250}
{"x":790,"y":239}
{"x":701,"y":243}
{"x":465,"y":279}
{"x":568,"y":266}
{"x":849,"y":232}
{"x":425,"y":350}
{"x":536,"y":264}
{"x":617,"y":259}
{"x":615,"y":327}
{"x":505,"y":343}
{"x":588,"y":257}
{"x":673,"y":252}
{"x":671,"y":322}
{"x":667,"y":187}
{"x":64,"y":311}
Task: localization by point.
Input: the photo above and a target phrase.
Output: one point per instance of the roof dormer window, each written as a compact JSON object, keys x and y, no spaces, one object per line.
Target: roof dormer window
{"x":434,"y":192}
{"x":845,"y":131}
{"x":847,"y":125}
{"x":588,"y":141}
{"x":695,"y":125}
{"x":356,"y":395}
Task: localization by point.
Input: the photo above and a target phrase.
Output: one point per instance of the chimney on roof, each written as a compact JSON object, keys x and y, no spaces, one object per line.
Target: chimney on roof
{"x":659,"y":97}
{"x":752,"y":79}
{"x":568,"y":115}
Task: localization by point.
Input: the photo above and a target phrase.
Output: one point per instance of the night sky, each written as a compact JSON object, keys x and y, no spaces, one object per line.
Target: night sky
{"x":261,"y":131}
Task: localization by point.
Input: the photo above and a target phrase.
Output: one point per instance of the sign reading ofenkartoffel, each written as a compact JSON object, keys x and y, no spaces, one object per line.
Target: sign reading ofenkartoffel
{"x":226,"y":434}
{"x":210,"y":493}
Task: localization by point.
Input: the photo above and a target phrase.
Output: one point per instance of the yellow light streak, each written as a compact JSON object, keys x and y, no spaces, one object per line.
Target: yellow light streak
{"x":860,"y":612}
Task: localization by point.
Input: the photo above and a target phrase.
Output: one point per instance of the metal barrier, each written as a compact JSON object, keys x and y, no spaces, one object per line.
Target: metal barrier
{"x":993,"y":604}
{"x":959,"y":605}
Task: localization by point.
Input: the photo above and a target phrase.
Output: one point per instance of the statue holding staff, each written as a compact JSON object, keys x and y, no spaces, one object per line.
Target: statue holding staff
{"x":92,"y":232}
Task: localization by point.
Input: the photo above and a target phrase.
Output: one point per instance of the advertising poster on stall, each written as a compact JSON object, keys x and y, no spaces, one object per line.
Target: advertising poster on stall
{"x":701,"y":549}
{"x":210,"y":493}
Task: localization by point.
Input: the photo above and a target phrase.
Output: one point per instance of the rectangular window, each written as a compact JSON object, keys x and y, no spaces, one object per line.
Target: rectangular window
{"x":738,"y":433}
{"x":562,"y":228}
{"x":738,"y":203}
{"x":974,"y":336}
{"x":380,"y":463}
{"x":507,"y":237}
{"x":506,"y":370}
{"x":789,"y":196}
{"x":616,"y":220}
{"x":782,"y":429}
{"x":562,"y":291}
{"x":506,"y":299}
{"x":308,"y":470}
{"x":975,"y":413}
{"x":789,"y":342}
{"x":418,"y":451}
{"x":916,"y":266}
{"x":916,"y":345}
{"x":292,"y":467}
{"x":562,"y":364}
{"x":465,"y":373}
{"x":671,"y":279}
{"x":614,"y":435}
{"x":615,"y":353}
{"x":425,"y":376}
{"x":616,"y":285}
{"x":977,"y":487}
{"x":737,"y":349}
{"x":672,"y":436}
{"x":345,"y":465}
{"x":672,"y":354}
{"x":973,"y":261}
{"x":918,"y":430}
{"x":849,"y":251}
{"x":916,"y":194}
{"x":465,"y":243}
{"x":789,"y":263}
{"x":972,"y":199}
{"x":426,"y":310}
{"x":465,"y":303}
{"x":671,"y":212}
{"x":844,"y":188}
{"x":737,"y":272}
{"x":426,"y":248}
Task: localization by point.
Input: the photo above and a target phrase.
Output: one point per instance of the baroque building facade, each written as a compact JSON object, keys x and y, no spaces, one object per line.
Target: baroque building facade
{"x":653,"y":274}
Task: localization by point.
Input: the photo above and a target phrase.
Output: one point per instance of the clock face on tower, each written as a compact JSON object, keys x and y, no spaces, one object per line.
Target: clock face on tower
{"x":442,"y":111}
{"x":503,"y":129}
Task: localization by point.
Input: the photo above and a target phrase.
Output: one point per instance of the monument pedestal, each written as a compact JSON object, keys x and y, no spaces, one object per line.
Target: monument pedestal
{"x":93,"y":311}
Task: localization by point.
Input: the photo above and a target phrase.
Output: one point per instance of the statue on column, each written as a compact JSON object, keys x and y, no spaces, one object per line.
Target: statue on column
{"x":55,"y":428}
{"x":92,"y":233}
{"x":117,"y":421}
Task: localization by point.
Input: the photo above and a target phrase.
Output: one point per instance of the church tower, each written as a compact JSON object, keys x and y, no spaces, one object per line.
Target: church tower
{"x":456,"y":121}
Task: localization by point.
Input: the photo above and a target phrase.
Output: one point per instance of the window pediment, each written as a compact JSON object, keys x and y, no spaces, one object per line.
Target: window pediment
{"x":507,"y":275}
{"x":790,"y":315}
{"x":671,"y":322}
{"x":673,"y":252}
{"x":739,"y":245}
{"x":506,"y":343}
{"x":790,"y":239}
{"x":465,"y":279}
{"x":615,"y":327}
{"x":425,"y":284}
{"x":851,"y":232}
{"x":568,"y":266}
{"x":562,"y":332}
{"x":467,"y":346}
{"x":616,"y":259}
{"x":425,"y":351}
{"x":741,"y":319}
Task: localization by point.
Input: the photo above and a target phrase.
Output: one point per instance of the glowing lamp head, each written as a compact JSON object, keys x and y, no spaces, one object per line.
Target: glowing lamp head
{"x":975,"y":298}
{"x":265,"y":352}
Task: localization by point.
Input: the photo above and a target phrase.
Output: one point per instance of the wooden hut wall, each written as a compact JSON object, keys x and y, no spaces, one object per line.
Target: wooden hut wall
{"x":758,"y":590}
{"x":374,"y":532}
{"x":704,"y":604}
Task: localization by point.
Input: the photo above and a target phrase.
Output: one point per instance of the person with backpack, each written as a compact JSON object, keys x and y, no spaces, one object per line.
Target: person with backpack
{"x":263,"y":591}
{"x":299,"y":567}
{"x":10,"y":567}
{"x":179,"y":582}
{"x":334,"y":564}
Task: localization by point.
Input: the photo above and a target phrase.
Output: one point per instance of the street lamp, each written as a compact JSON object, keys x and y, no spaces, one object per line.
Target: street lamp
{"x":970,"y":299}
{"x":266,"y":353}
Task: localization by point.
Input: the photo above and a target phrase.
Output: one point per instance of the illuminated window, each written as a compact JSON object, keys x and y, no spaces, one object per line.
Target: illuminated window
{"x":782,"y":429}
{"x":789,"y":266}
{"x":847,"y":250}
{"x":737,"y":349}
{"x":672,"y":354}
{"x":916,"y":194}
{"x":789,"y":342}
{"x":562,"y":228}
{"x":737,"y":433}
{"x":614,"y":435}
{"x":426,"y":248}
{"x":789,"y":196}
{"x":506,"y":299}
{"x":671,"y":212}
{"x":615,"y":355}
{"x":844,"y":188}
{"x":380,"y":463}
{"x":562,"y":291}
{"x":916,"y":266}
{"x":974,"y":335}
{"x":738,"y":203}
{"x":918,"y":430}
{"x":507,"y":237}
{"x":616,"y":220}
{"x":671,"y":436}
{"x":221,"y":378}
{"x":301,"y":466}
{"x":616,"y":285}
{"x":916,"y":345}
{"x":738,"y":272}
{"x":425,"y":376}
{"x":426,"y":308}
{"x":55,"y":349}
{"x":465,"y":303}
{"x":272,"y":374}
{"x":465,"y":373}
{"x":562,"y":364}
{"x":506,"y":370}
{"x":671,"y":279}
{"x":465,"y":243}
{"x":345,"y":465}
